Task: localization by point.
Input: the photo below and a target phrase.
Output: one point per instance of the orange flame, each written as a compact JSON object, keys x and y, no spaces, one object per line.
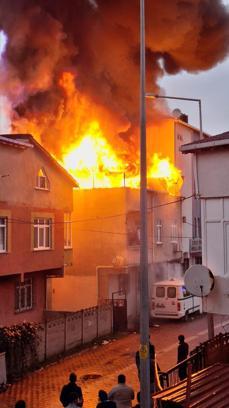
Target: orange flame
{"x":94,"y":163}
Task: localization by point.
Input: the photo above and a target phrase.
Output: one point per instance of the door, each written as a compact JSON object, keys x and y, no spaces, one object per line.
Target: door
{"x":119,"y":311}
{"x":171,"y":300}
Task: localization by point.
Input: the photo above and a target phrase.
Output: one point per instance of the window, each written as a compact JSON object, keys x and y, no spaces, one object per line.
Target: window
{"x":3,"y":234}
{"x":42,"y":180}
{"x":133,"y":228}
{"x":24,"y":296}
{"x":160,"y":291}
{"x":158,"y":232}
{"x":174,"y":234}
{"x":67,"y":230}
{"x":42,"y":233}
{"x":171,"y":292}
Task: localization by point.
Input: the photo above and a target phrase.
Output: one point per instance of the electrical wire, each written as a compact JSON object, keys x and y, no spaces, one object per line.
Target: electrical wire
{"x":97,"y":218}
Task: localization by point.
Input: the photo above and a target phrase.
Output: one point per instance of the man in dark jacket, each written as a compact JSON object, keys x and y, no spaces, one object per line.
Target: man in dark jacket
{"x":69,"y":389}
{"x":182,"y":354}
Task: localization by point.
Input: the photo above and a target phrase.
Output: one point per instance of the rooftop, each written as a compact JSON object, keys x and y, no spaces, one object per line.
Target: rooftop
{"x":216,"y":141}
{"x":24,"y":141}
{"x":208,"y":389}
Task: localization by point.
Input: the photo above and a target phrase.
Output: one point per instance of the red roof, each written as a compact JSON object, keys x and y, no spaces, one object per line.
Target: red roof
{"x":209,"y":388}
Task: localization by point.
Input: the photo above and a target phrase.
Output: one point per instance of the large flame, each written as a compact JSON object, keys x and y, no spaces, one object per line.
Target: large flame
{"x":94,"y":163}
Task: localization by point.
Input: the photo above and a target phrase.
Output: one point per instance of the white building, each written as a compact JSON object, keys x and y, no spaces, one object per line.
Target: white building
{"x":212,"y":164}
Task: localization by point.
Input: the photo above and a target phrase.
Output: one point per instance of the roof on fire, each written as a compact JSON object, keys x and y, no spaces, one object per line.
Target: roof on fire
{"x":25,"y":141}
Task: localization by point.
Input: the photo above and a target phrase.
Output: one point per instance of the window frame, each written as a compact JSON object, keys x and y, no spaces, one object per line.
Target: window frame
{"x":42,"y":177}
{"x":173,"y":289}
{"x":174,"y":233}
{"x":159,"y":232}
{"x":67,"y":230}
{"x":41,"y":235}
{"x":4,"y":227}
{"x":158,"y":288}
{"x":21,"y":290}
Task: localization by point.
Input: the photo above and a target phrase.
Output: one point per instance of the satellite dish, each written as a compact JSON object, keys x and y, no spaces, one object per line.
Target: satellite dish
{"x":176,"y":113}
{"x":199,"y":280}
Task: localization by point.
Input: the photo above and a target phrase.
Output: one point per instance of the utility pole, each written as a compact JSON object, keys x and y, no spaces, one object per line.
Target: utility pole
{"x":144,"y":294}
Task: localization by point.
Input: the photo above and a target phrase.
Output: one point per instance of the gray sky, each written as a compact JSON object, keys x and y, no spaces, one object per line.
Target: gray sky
{"x":212,"y":87}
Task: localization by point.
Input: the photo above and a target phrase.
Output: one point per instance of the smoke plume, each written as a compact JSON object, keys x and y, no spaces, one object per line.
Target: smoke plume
{"x":68,"y":61}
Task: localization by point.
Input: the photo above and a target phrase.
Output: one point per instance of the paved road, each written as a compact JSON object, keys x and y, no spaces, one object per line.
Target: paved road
{"x":41,"y":389}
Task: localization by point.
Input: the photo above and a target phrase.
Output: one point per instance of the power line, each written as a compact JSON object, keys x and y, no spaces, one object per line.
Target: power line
{"x":97,"y":218}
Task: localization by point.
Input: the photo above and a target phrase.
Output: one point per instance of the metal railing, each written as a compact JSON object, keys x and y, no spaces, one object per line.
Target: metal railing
{"x":197,"y":361}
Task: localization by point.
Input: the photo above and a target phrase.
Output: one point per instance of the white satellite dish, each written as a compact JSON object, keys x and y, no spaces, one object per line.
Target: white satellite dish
{"x":199,"y":280}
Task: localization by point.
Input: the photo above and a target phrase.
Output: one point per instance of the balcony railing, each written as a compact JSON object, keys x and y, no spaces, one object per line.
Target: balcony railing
{"x":195,"y":245}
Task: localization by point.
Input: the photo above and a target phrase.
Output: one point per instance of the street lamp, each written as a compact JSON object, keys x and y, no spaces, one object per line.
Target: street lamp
{"x":181,"y":98}
{"x":152,"y":95}
{"x":144,"y":294}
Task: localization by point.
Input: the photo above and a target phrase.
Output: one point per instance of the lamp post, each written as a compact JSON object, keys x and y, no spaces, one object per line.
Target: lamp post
{"x":152,"y":95}
{"x":144,"y":294}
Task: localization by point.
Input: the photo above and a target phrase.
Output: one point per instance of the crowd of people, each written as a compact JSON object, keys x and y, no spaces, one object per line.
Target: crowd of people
{"x":121,"y":395}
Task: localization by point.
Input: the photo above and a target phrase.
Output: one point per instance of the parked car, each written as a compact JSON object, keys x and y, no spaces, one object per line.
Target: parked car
{"x":170,"y":299}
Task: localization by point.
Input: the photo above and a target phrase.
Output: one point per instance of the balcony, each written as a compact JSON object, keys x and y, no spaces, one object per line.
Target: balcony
{"x":195,"y":245}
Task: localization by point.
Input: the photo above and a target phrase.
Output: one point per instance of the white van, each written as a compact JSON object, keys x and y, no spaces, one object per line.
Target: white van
{"x":170,"y":299}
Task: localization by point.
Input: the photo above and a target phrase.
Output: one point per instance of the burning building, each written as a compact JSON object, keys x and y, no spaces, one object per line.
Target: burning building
{"x":106,"y":233}
{"x":69,"y":75}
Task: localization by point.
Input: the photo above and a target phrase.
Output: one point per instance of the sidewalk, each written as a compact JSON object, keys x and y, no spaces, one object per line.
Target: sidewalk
{"x":41,"y":389}
{"x":99,"y":366}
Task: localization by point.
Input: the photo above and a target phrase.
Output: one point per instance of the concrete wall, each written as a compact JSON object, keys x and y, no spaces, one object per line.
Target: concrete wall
{"x":19,"y":187}
{"x":21,"y":257}
{"x":213,"y":170}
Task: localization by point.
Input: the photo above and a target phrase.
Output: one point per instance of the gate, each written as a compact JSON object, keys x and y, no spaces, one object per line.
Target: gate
{"x":119,"y":303}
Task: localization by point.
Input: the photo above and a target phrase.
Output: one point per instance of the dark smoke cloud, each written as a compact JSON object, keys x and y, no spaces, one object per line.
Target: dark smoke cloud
{"x":99,"y":41}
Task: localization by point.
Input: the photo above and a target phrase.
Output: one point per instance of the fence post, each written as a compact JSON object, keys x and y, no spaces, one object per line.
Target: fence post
{"x":97,"y":322}
{"x":65,"y":331}
{"x":188,"y":387}
{"x":82,"y":333}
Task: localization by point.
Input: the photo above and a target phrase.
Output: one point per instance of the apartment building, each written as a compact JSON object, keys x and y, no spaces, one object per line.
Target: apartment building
{"x":36,"y":197}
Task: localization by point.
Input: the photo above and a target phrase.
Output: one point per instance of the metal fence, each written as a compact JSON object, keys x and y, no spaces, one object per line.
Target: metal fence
{"x":210,"y":352}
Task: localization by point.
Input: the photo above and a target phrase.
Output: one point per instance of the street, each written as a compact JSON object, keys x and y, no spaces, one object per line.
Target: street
{"x":98,"y":367}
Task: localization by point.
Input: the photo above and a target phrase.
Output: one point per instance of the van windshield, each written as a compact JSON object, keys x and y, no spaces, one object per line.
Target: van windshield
{"x":160,"y":291}
{"x":171,"y":292}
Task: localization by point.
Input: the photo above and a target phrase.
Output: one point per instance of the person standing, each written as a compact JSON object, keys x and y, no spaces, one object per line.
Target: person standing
{"x":69,"y":389}
{"x":20,"y":404}
{"x":104,"y":402}
{"x":182,"y":354}
{"x":152,"y":365}
{"x":122,"y":394}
